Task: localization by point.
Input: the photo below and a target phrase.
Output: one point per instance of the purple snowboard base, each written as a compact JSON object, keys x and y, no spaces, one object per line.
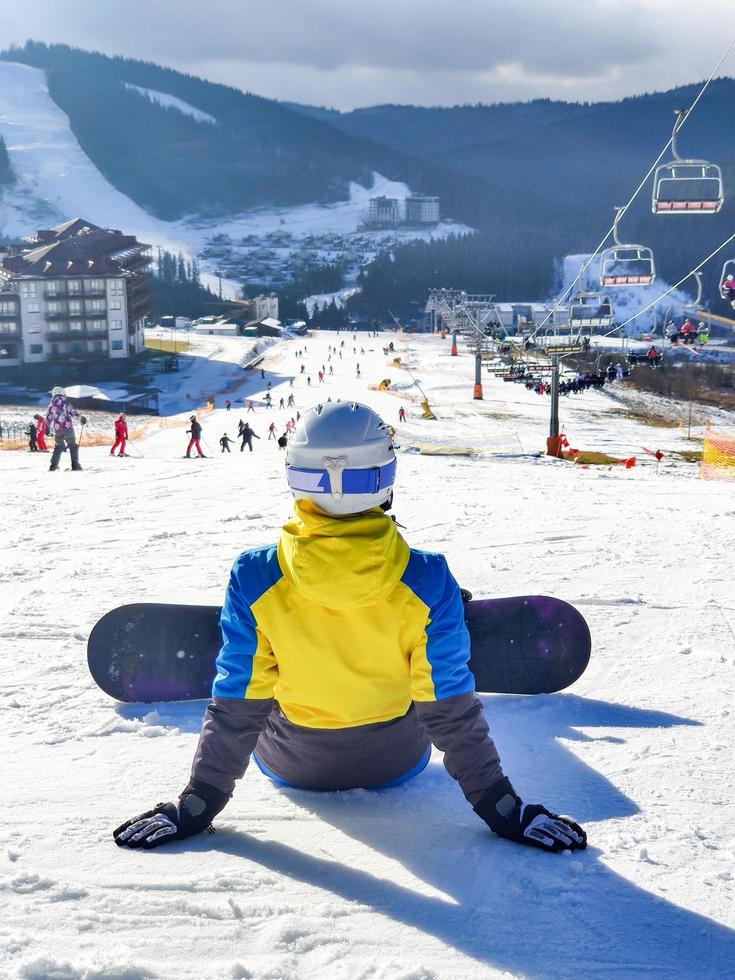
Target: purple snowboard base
{"x":158,"y":652}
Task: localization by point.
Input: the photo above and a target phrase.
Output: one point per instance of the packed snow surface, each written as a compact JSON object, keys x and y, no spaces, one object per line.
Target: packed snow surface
{"x":403,"y":884}
{"x":171,"y":102}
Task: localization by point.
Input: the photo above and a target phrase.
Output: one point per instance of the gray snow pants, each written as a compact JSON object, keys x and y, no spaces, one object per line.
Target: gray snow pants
{"x":65,"y":439}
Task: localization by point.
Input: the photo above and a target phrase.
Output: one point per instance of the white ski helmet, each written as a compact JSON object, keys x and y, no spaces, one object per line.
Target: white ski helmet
{"x":58,"y":390}
{"x":340,"y":455}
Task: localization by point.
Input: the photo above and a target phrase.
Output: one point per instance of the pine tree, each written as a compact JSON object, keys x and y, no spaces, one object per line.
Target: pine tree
{"x":6,"y":170}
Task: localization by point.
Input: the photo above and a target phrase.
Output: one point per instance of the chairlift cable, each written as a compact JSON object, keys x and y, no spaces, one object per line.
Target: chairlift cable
{"x":658,"y":299}
{"x":621,"y":211}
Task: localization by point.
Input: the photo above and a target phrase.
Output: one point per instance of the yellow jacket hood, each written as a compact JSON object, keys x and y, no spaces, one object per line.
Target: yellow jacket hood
{"x":342,"y":562}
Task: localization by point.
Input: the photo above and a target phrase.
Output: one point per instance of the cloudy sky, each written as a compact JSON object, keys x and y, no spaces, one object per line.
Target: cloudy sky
{"x":347,"y":53}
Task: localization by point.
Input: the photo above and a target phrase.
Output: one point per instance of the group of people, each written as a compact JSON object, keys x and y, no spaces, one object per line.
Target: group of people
{"x":688,"y":333}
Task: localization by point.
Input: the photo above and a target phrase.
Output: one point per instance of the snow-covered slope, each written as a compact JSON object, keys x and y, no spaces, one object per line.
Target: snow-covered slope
{"x":171,"y":102}
{"x":405,"y":884}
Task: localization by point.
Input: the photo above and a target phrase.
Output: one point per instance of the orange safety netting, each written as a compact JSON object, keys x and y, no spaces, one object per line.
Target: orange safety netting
{"x":718,"y":457}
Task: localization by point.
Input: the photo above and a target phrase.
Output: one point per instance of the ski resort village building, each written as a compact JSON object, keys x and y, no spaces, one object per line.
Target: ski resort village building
{"x":77,"y":293}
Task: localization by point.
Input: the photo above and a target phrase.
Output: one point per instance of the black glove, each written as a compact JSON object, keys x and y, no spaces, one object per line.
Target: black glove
{"x":528,"y":823}
{"x":198,"y":805}
{"x":83,"y":419}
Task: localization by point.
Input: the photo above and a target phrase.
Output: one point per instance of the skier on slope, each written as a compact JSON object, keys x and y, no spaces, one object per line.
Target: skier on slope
{"x":225,"y":443}
{"x":60,"y":417}
{"x":196,"y":434}
{"x":247,"y":435}
{"x":41,"y":433}
{"x":121,"y":434}
{"x":345,"y":654}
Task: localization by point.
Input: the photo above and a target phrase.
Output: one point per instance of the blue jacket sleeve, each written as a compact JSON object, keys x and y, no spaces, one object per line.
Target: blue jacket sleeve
{"x":246,"y":666}
{"x":439,"y":661}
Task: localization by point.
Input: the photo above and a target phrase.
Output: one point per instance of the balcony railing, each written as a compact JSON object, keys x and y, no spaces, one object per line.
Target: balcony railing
{"x":11,"y":316}
{"x":54,"y":293}
{"x":79,"y":355}
{"x":95,"y":292}
{"x":86,"y":333}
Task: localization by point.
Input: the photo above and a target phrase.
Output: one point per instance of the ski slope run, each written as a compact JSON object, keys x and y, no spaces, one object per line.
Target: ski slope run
{"x":404,"y":884}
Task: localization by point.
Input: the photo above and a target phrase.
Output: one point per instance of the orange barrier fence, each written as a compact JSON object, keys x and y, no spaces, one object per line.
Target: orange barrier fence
{"x":718,"y":457}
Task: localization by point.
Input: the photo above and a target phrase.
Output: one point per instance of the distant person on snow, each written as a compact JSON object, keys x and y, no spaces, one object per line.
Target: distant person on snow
{"x":401,"y":414}
{"x":228,"y":404}
{"x":225,"y":443}
{"x":247,"y":435}
{"x":60,"y":417}
{"x":121,"y":434}
{"x":251,"y":407}
{"x":41,"y":433}
{"x":272,"y":430}
{"x":282,"y":441}
{"x":196,"y":434}
{"x":345,"y":655}
{"x":32,"y":437}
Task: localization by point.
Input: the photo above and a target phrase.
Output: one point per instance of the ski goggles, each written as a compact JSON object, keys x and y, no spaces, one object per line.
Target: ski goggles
{"x":336,"y":480}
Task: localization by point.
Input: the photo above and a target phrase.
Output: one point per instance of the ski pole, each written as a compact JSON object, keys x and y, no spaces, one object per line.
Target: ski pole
{"x":81,"y":432}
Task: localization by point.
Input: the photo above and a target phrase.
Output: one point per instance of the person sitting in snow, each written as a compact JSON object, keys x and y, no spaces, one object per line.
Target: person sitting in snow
{"x":345,"y":655}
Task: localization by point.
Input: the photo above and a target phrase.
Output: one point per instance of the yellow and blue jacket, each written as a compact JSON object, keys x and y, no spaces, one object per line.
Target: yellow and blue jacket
{"x":342,"y":623}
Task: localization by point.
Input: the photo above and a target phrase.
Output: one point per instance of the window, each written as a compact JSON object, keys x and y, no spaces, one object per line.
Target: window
{"x":74,"y":286}
{"x":33,"y":308}
{"x":75,"y":307}
{"x":75,"y":327}
{"x":116,"y":287}
{"x":28,"y":290}
{"x":95,"y":285}
{"x":36,"y":348}
{"x":99,"y":326}
{"x":55,"y":348}
{"x":52,"y":307}
{"x":8,"y":307}
{"x":95,"y":305}
{"x":116,"y":324}
{"x":9,"y":327}
{"x":117,"y":345}
{"x":77,"y":347}
{"x":115,"y":304}
{"x":98,"y":345}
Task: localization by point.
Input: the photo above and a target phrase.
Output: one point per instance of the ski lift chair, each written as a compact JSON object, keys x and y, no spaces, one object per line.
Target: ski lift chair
{"x":590,"y":310}
{"x":686,"y":186}
{"x":624,"y":264}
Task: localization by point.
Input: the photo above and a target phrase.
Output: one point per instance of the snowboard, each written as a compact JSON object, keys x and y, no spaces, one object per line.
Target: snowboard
{"x":158,"y":652}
